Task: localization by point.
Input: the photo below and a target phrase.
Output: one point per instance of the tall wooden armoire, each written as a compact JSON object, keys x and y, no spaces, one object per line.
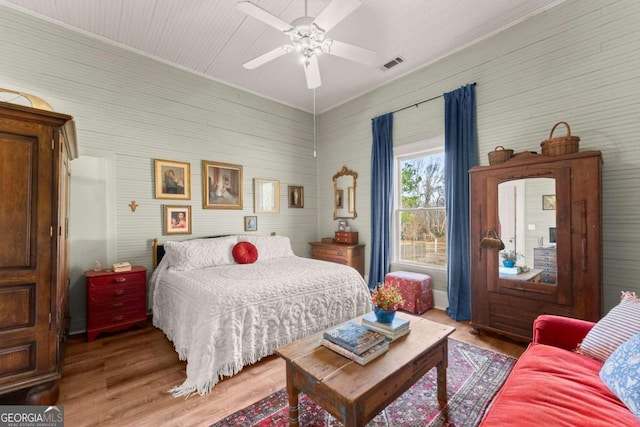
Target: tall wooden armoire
{"x":548,"y":211}
{"x":36,"y":147}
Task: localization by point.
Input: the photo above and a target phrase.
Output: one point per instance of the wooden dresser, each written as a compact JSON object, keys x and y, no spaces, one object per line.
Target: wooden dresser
{"x":36,"y":147}
{"x":115,"y":301}
{"x":340,"y":253}
{"x":546,"y":260}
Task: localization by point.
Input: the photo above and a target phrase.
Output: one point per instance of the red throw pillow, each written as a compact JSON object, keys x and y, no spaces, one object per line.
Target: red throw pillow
{"x":245,"y":253}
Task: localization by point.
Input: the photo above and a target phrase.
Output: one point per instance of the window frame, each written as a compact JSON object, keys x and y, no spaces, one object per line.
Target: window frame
{"x":423,"y":148}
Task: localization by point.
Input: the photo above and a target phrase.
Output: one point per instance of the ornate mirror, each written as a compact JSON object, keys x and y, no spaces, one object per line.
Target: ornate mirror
{"x":344,"y":194}
{"x":533,"y":222}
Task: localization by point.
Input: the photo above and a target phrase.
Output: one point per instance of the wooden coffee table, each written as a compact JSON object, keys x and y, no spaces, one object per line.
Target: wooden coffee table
{"x":355,"y":394}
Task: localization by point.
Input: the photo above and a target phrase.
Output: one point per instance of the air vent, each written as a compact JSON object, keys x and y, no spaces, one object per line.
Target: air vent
{"x":392,"y":63}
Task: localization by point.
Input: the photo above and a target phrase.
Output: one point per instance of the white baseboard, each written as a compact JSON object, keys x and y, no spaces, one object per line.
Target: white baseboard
{"x":440,"y":299}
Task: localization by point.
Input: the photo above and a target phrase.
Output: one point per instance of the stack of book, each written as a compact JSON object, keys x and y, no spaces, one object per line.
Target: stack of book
{"x":392,"y":331}
{"x":355,"y":342}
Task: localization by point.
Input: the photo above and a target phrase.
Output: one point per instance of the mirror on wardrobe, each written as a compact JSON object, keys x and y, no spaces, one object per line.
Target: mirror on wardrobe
{"x":527,"y":219}
{"x":344,"y":194}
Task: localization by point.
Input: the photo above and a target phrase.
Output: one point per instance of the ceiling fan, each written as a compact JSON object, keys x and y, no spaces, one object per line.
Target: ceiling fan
{"x":307,"y":38}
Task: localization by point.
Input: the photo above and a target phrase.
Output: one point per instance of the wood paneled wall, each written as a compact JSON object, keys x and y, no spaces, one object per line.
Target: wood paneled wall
{"x":576,"y":62}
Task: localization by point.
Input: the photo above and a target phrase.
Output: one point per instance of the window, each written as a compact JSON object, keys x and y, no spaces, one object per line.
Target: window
{"x":420,"y":223}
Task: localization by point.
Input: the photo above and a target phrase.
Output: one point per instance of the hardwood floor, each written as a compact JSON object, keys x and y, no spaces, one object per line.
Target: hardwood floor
{"x":123,"y":378}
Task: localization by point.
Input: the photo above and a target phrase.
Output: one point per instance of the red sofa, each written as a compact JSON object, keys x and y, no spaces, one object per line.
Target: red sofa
{"x":551,"y":385}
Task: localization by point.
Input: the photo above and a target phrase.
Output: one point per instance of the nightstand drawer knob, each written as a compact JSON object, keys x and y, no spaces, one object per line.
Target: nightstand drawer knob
{"x":119,"y":292}
{"x":117,"y":305}
{"x":120,"y":279}
{"x":117,"y":318}
{"x":340,"y":253}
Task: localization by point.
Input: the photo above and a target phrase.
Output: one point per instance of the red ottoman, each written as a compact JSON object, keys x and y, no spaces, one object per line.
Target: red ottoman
{"x":415,"y":289}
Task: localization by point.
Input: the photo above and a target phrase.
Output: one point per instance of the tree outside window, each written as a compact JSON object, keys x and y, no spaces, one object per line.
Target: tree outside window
{"x":421,"y":218}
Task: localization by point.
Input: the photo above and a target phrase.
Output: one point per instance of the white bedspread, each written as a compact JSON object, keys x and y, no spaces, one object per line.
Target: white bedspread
{"x":223,"y":318}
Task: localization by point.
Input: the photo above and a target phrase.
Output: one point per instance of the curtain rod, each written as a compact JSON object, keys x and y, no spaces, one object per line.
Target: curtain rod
{"x":416,"y":104}
{"x":421,"y":102}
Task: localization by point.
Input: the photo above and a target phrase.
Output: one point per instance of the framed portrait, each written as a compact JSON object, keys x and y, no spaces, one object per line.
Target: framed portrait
{"x":340,"y":199}
{"x":296,"y":196}
{"x":173,"y":180}
{"x":267,"y":195}
{"x":342,"y":225}
{"x":250,"y":223}
{"x":549,"y":202}
{"x":351,"y":200}
{"x":177,"y":219}
{"x":221,"y":185}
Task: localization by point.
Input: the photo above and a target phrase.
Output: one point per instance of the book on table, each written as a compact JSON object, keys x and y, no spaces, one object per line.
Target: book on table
{"x":391,"y":336}
{"x":394,"y":330}
{"x":398,"y":323}
{"x":361,"y":359}
{"x":353,"y":336}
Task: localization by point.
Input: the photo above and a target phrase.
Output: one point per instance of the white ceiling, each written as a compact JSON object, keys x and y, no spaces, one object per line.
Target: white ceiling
{"x":213,"y":38}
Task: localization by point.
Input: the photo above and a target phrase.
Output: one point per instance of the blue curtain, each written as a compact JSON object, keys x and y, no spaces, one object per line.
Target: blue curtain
{"x":381,"y":197}
{"x":461,"y":154}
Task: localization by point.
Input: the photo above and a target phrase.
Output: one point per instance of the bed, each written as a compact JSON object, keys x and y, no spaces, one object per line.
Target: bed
{"x":222,"y":315}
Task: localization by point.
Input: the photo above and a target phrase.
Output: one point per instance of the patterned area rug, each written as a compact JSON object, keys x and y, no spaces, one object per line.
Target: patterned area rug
{"x":473,"y":378}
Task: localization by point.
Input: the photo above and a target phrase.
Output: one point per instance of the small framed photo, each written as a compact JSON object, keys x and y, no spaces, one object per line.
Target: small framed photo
{"x":296,"y":196}
{"x":267,"y":196}
{"x":549,"y":202}
{"x":221,"y":185}
{"x":173,"y":180}
{"x":342,"y":225}
{"x":177,"y":219}
{"x":250,"y":223}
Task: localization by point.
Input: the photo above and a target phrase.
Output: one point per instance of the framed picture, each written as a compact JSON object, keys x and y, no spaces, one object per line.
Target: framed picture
{"x":250,"y":223}
{"x":549,"y":202}
{"x":342,"y":225}
{"x":340,"y":199}
{"x":221,"y":185}
{"x":351,"y":200}
{"x":173,"y":180}
{"x":296,"y":196}
{"x":267,"y":196}
{"x":177,"y":219}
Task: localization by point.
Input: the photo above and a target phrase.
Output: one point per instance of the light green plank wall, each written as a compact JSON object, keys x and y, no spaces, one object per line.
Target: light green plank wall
{"x":138,"y":109}
{"x":576,"y":62}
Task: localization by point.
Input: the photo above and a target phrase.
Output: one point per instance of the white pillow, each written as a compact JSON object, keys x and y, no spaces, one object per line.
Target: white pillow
{"x":200,"y":253}
{"x":270,"y":247}
{"x":620,"y":324}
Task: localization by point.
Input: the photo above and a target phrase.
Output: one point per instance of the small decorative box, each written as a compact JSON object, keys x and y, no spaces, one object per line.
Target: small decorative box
{"x":349,"y":237}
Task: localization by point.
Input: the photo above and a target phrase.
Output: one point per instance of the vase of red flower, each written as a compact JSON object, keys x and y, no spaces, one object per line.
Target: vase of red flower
{"x":386,"y":299}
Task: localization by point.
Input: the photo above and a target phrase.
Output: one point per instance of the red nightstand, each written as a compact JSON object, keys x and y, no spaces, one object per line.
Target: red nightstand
{"x":115,"y":301}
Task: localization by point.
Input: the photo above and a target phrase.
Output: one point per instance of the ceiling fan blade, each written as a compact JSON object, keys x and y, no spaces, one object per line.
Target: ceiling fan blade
{"x":353,"y":53}
{"x":264,"y":16}
{"x":335,"y":12}
{"x":269,"y":56}
{"x":312,"y":73}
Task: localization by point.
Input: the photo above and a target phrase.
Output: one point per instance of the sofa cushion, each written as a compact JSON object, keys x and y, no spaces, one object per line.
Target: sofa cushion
{"x":552,"y":386}
{"x":620,"y":324}
{"x":621,"y":373}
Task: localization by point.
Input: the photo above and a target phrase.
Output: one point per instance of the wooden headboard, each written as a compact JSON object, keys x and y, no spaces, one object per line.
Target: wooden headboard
{"x":158,"y":248}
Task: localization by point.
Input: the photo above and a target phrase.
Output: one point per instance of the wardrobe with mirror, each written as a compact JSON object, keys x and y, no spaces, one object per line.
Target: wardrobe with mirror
{"x":547,"y":212}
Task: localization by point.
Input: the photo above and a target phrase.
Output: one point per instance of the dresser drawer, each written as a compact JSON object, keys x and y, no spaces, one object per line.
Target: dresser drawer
{"x":108,"y":319}
{"x":551,"y":264}
{"x":333,"y":252}
{"x":115,"y":279}
{"x":115,"y":291}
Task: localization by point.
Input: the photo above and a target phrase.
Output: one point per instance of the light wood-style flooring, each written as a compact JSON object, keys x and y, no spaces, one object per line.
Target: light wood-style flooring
{"x":122,"y":379}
